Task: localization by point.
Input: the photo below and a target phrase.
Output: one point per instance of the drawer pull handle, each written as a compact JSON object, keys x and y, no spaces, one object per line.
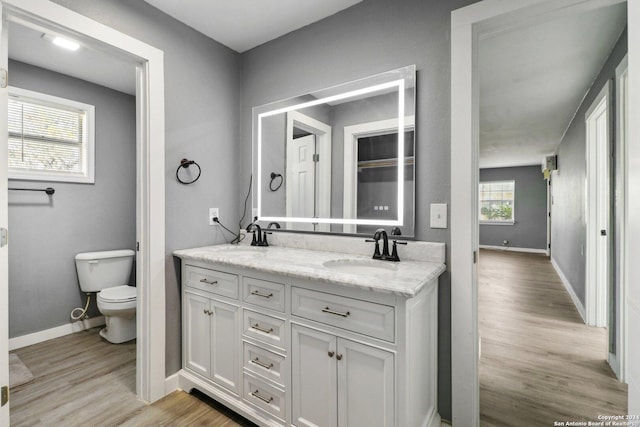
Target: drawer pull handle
{"x":266,"y":331}
{"x":264,"y":399}
{"x":258,"y":294}
{"x":208,"y":282}
{"x":259,"y":363}
{"x":337,"y":313}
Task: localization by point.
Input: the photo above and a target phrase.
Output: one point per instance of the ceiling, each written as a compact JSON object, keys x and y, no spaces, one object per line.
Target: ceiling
{"x":26,"y":44}
{"x":533,"y":79}
{"x":245,"y":24}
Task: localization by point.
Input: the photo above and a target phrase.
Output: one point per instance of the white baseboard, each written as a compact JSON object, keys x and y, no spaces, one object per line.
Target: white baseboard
{"x":512,"y":249}
{"x":58,"y":331}
{"x":569,"y":288}
{"x":172,"y":383}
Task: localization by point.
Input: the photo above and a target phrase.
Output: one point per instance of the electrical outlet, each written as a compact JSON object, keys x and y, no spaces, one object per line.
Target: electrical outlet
{"x":213,"y":213}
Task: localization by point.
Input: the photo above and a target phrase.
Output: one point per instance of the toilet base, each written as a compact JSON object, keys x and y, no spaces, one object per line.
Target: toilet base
{"x":119,"y":329}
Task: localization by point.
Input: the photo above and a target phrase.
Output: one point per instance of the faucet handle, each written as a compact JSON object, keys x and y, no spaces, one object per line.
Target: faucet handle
{"x":376,"y":251}
{"x":394,"y":253}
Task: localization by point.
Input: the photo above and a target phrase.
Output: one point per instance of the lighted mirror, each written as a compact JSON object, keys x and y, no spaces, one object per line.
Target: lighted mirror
{"x":339,"y":159}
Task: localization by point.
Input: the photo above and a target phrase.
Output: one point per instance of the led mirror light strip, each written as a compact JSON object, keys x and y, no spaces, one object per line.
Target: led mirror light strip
{"x":400,"y":84}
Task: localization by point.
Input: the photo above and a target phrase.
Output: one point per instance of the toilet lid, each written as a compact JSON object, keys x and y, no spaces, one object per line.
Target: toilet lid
{"x":118,"y":293}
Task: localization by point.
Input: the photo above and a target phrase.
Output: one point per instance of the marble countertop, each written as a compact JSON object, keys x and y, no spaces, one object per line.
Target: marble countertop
{"x":404,"y":278}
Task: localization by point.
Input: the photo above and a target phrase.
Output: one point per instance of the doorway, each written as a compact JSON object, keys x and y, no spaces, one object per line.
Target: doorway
{"x":150,"y":375}
{"x":468,"y":26}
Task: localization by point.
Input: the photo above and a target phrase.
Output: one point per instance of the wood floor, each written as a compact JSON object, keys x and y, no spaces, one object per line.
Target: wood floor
{"x":540,"y":363}
{"x":81,"y":380}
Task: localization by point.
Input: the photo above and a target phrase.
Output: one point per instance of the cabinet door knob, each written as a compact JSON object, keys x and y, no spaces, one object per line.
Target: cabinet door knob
{"x":339,"y":356}
{"x":331,"y":353}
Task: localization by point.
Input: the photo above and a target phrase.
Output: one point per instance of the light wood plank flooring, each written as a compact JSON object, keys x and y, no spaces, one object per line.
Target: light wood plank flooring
{"x":81,"y":380}
{"x":540,"y":363}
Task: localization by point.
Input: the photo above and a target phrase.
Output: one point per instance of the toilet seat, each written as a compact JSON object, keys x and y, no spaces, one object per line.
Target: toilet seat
{"x":117,"y":294}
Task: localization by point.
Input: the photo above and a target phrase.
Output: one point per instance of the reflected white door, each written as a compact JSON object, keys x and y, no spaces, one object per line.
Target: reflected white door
{"x":4,"y":250}
{"x":301,"y":175}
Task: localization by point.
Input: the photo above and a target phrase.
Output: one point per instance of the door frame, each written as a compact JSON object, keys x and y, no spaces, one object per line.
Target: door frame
{"x":150,"y":176}
{"x":468,"y":25}
{"x":350,"y":159}
{"x":597,"y":210}
{"x":617,"y":361}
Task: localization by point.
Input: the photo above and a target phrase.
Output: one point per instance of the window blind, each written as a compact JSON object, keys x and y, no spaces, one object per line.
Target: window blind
{"x":45,"y":137}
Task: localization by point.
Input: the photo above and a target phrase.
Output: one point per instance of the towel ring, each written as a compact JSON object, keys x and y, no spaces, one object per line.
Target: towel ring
{"x":184,"y":163}
{"x":273,"y":177}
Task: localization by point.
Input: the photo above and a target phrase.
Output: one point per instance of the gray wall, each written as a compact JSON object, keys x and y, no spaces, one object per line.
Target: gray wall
{"x":530,"y":228}
{"x":372,"y":37}
{"x":202,"y":92}
{"x":568,"y":226}
{"x":47,"y":232}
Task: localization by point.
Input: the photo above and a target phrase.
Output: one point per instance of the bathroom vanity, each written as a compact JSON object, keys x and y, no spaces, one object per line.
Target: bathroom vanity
{"x":293,"y":336}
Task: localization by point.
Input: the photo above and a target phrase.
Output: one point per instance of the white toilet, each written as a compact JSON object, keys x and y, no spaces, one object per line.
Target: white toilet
{"x":107,"y":273}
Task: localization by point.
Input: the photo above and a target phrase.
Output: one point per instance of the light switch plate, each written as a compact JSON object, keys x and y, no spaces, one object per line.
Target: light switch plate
{"x":438,"y":215}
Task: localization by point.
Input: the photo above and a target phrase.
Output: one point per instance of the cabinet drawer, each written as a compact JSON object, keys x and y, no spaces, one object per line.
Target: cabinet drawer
{"x":213,"y":281}
{"x":265,"y":328}
{"x":368,"y":318}
{"x":263,"y":293}
{"x":264,"y":363}
{"x":265,"y":396}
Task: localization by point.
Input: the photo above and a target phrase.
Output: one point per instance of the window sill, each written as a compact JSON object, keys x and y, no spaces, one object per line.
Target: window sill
{"x":497,"y":223}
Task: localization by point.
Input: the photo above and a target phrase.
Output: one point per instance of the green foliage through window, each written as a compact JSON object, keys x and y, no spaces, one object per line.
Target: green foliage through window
{"x":497,"y":201}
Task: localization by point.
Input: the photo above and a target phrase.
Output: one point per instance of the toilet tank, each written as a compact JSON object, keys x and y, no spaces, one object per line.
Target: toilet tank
{"x":106,"y":269}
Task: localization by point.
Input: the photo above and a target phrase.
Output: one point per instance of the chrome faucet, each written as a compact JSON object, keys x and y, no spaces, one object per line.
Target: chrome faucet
{"x":261,"y":240}
{"x":381,"y":233}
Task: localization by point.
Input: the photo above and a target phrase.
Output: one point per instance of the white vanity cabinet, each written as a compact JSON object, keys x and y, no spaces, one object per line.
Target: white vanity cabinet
{"x":339,"y":382}
{"x":211,"y":339}
{"x":286,"y":350}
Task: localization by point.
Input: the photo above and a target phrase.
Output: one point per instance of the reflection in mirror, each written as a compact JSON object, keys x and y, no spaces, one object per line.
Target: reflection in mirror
{"x":344,"y":155}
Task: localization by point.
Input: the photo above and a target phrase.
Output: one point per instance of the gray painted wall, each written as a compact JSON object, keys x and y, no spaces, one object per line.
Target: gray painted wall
{"x":530,"y":228}
{"x":372,"y":37}
{"x":47,"y":232}
{"x":568,"y":226}
{"x":202,"y":92}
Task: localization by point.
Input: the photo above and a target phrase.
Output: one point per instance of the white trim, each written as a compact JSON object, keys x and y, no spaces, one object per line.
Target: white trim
{"x":597,"y":210}
{"x":150,"y":204}
{"x":468,"y":25}
{"x":632,"y":226}
{"x":172,"y":383}
{"x":513,"y":249}
{"x":87,"y":174}
{"x":618,"y":360}
{"x":570,"y":291}
{"x":350,"y":157}
{"x":59,"y":331}
{"x":323,"y":132}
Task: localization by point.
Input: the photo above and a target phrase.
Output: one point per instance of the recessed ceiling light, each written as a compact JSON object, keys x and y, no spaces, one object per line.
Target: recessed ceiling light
{"x":65,"y":43}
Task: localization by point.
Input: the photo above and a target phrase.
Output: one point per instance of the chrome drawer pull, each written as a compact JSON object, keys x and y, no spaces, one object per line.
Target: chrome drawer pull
{"x":264,"y":399}
{"x":259,"y":363}
{"x":258,"y":294}
{"x":337,"y":313}
{"x":266,"y":331}
{"x":208,"y":282}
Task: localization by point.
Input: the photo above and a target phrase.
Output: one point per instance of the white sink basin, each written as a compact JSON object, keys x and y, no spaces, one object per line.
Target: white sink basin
{"x":360,"y":266}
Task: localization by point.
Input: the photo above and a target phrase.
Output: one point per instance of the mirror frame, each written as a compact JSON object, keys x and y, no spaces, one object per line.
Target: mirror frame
{"x":401,"y":126}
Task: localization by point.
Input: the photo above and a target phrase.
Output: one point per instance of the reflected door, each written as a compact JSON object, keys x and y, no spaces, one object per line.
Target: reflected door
{"x":301,"y":156}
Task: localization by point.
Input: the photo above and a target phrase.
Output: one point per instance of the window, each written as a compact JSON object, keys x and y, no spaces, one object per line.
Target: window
{"x":50,"y":138}
{"x":497,"y":202}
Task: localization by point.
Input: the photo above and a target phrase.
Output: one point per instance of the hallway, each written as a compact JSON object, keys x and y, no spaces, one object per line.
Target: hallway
{"x":539,"y":362}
